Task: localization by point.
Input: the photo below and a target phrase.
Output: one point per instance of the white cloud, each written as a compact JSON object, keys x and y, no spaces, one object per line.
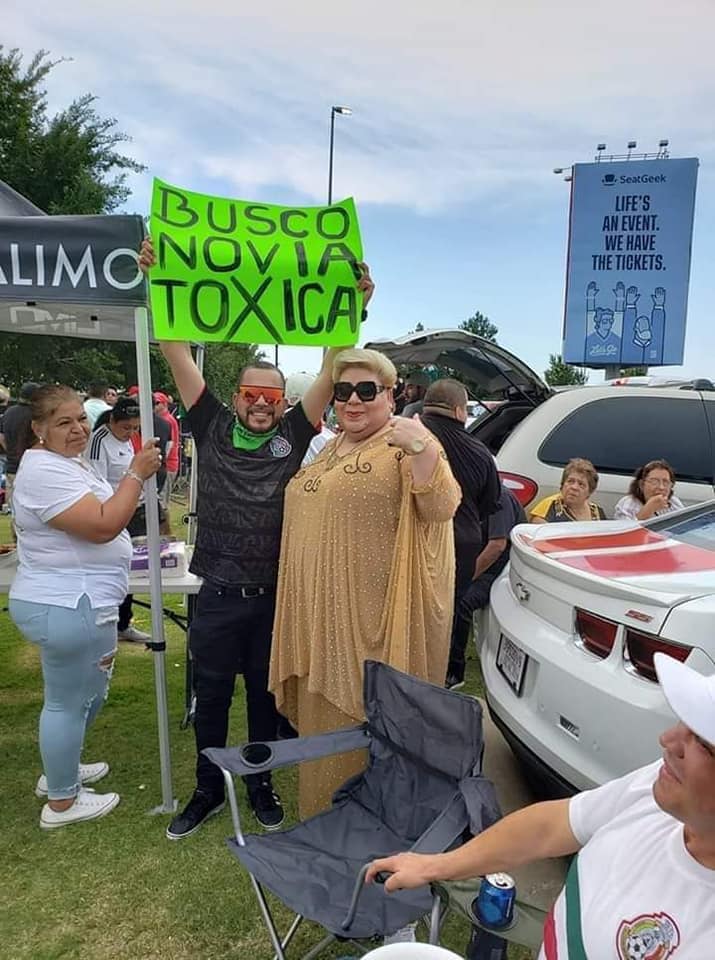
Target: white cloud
{"x":456,"y":102}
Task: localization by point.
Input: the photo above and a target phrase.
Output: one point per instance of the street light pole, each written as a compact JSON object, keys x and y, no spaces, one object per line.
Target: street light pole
{"x":344,"y":112}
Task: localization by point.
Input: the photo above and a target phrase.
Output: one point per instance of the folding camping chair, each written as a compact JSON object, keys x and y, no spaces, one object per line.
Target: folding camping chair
{"x":422,"y":790}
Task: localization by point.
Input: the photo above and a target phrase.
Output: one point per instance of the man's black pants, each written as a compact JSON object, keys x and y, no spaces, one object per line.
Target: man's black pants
{"x":470,"y":595}
{"x":231,"y":634}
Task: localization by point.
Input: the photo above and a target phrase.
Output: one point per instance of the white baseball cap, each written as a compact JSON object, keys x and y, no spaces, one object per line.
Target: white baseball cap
{"x":296,"y":385}
{"x":691,"y":695}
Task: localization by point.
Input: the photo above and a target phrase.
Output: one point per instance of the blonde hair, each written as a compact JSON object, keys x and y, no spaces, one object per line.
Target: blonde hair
{"x":372,"y":360}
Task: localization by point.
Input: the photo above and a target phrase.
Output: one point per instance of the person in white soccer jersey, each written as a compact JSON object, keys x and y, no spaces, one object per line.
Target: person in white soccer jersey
{"x":642,"y":886}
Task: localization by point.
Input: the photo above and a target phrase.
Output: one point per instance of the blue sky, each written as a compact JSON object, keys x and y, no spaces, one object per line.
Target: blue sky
{"x":461,"y":110}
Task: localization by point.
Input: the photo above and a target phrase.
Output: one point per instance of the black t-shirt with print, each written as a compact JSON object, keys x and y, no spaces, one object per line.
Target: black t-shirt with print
{"x":240,"y":494}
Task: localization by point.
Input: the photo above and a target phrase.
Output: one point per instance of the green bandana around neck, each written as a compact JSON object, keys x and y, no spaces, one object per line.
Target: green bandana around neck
{"x":245,"y":439}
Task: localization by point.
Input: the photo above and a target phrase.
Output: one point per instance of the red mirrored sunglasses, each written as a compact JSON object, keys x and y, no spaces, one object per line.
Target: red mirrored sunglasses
{"x":251,"y":393}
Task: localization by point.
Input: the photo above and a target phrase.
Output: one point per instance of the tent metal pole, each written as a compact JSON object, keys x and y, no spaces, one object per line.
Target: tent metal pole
{"x":158,"y":643}
{"x":194,"y":479}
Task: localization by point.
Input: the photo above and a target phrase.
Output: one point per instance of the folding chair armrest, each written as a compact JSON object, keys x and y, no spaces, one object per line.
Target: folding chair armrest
{"x":357,"y":890}
{"x":445,"y":829}
{"x":285,"y":753}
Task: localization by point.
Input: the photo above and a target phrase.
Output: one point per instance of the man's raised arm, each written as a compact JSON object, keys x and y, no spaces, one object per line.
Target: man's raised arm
{"x":320,"y":392}
{"x":536,"y":832}
{"x":187,"y":376}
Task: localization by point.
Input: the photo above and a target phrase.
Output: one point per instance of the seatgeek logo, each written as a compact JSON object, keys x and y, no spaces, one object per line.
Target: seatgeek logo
{"x":611,"y":180}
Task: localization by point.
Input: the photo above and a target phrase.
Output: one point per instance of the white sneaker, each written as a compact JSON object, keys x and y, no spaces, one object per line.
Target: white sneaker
{"x":88,"y":773}
{"x":403,"y":935}
{"x":132,"y":635}
{"x":87,"y":806}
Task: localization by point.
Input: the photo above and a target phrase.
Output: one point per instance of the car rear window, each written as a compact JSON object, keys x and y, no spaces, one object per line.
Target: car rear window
{"x":698,"y":530}
{"x":618,"y":434}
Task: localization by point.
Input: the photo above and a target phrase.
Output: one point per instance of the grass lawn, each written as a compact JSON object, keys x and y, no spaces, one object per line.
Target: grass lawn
{"x":116,"y":888}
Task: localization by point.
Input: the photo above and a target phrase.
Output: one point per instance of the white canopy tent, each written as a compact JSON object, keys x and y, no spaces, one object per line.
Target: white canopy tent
{"x":77,"y":276}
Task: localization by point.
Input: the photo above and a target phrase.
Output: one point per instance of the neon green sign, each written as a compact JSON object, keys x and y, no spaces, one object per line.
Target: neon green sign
{"x":241,"y":272}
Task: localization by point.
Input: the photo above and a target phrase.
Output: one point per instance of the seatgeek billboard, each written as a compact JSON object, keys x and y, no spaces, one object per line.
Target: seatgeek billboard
{"x":630,"y":236}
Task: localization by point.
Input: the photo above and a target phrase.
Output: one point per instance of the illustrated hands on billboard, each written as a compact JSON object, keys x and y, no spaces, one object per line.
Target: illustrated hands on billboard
{"x":632,"y":296}
{"x":619,"y":292}
{"x":642,"y":332}
{"x":658,"y":297}
{"x":591,"y":291}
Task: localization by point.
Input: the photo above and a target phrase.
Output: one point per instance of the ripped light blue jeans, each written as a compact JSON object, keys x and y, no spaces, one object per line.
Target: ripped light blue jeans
{"x":77,"y":649}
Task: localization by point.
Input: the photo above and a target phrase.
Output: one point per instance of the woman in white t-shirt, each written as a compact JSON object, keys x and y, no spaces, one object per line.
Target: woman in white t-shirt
{"x":74,"y":554}
{"x":650,"y":493}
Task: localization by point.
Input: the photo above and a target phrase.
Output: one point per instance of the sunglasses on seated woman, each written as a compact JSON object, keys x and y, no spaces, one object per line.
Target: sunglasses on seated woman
{"x":366,"y":390}
{"x":271,"y":395}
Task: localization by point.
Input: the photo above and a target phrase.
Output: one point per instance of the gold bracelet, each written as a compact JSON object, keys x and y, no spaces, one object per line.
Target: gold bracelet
{"x":134,"y":476}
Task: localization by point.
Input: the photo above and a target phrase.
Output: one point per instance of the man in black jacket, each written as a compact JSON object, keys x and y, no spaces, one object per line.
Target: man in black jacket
{"x":444,"y":414}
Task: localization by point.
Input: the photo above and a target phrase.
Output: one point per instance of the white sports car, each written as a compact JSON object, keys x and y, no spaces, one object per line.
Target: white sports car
{"x":568,"y":650}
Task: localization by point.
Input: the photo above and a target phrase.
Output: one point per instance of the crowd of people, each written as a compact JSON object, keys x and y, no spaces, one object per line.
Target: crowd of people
{"x":318,"y":548}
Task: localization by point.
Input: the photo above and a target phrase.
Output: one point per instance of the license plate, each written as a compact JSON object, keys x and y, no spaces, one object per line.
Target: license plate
{"x":511,"y":663}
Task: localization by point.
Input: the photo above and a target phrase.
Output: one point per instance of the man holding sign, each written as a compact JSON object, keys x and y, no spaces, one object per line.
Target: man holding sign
{"x":246,"y":458}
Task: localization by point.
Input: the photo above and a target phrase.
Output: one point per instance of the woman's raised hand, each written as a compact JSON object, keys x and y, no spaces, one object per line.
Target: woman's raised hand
{"x":148,"y":460}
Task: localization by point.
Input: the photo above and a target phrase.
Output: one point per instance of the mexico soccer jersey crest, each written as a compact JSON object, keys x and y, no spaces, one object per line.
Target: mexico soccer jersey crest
{"x":652,"y":936}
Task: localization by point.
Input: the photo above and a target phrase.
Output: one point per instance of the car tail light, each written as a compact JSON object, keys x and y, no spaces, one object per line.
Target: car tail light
{"x":523,"y":488}
{"x":596,"y":634}
{"x":640,"y":648}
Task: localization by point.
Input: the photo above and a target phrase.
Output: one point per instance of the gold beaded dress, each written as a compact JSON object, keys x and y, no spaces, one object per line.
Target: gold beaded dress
{"x":366,"y":572}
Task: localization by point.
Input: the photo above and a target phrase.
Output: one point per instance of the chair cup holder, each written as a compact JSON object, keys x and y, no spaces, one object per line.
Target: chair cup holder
{"x":256,"y":754}
{"x":485,"y":926}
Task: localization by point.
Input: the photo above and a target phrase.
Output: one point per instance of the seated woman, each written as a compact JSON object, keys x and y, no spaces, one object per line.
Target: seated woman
{"x":74,"y":557}
{"x":366,"y":567}
{"x":572,"y":502}
{"x":650,"y":493}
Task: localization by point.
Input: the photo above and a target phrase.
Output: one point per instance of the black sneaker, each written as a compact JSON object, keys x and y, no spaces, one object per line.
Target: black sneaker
{"x":453,"y":682}
{"x":266,"y":805}
{"x":199,"y":808}
{"x":285,"y":730}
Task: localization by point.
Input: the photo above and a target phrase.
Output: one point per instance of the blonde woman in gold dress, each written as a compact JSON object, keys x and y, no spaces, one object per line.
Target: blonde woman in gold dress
{"x":366,"y":568}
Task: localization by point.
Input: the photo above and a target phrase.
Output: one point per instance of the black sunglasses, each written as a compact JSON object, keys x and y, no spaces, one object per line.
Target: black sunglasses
{"x":123,"y":410}
{"x":366,"y":390}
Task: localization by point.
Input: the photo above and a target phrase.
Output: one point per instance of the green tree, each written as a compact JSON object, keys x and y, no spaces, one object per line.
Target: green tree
{"x":65,"y":164}
{"x":68,"y":163}
{"x":58,"y":359}
{"x":481,"y":326}
{"x":77,"y":363}
{"x":634,"y":371}
{"x":418,"y":329}
{"x":560,"y":374}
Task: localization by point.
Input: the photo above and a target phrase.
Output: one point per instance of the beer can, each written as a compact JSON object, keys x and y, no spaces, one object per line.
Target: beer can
{"x":494,"y":905}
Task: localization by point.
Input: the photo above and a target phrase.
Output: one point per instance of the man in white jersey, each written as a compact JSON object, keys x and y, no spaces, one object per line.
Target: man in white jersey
{"x":642,"y":886}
